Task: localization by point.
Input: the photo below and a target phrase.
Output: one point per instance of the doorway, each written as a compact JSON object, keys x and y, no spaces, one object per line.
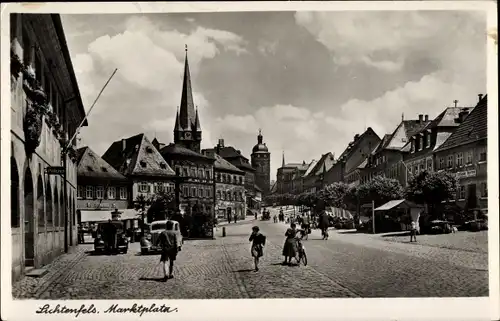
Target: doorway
{"x":29,"y":226}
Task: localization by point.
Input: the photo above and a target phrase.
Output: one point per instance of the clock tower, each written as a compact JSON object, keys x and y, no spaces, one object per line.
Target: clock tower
{"x":261,"y":161}
{"x":187,"y":130}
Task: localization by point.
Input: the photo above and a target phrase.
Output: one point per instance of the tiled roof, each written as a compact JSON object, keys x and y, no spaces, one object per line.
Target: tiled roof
{"x":323,"y":164}
{"x":136,"y":155}
{"x":222,"y":164}
{"x":353,"y":144}
{"x":229,"y":152}
{"x":235,"y":157}
{"x":383,"y":143}
{"x":175,"y":149}
{"x":473,"y":128}
{"x":91,"y":165}
{"x":310,"y":167}
{"x":401,"y":135}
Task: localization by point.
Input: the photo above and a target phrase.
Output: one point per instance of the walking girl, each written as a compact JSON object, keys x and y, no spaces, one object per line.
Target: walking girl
{"x":258,"y":241}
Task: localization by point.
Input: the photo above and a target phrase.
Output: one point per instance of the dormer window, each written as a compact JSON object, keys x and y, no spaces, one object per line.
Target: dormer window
{"x":412,"y":145}
{"x":163,"y":165}
{"x":143,"y":164}
{"x":428,"y":140}
{"x":104,"y":169}
{"x":90,"y":169}
{"x":149,"y":149}
{"x":420,"y":142}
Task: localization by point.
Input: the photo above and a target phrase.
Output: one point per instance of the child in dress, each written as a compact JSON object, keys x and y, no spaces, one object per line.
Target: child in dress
{"x":258,"y":241}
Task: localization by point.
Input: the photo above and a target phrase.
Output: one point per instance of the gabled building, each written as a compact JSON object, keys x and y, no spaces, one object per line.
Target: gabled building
{"x":234,"y":156}
{"x":387,"y":158}
{"x":101,"y":189}
{"x":419,"y":151}
{"x":137,"y":159}
{"x":350,"y":165}
{"x":298,"y":178}
{"x":286,"y":174}
{"x":315,"y":180}
{"x":45,"y":110}
{"x":465,"y":154}
{"x":230,"y":197}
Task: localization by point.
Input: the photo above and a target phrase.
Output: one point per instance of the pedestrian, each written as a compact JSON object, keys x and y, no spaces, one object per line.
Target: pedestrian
{"x":255,"y":215}
{"x":169,"y":248}
{"x":229,"y":218}
{"x":235,"y":218}
{"x":323,"y":224}
{"x":290,"y":246}
{"x":81,"y":238}
{"x":258,"y":241}
{"x":413,"y":231}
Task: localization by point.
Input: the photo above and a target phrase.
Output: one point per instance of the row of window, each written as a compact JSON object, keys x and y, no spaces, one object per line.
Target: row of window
{"x":458,"y":160}
{"x":417,"y":167}
{"x":200,"y":192}
{"x":192,"y":172}
{"x":229,"y":179}
{"x":230,"y":196}
{"x":483,"y":191}
{"x":157,"y":188}
{"x":101,"y":192}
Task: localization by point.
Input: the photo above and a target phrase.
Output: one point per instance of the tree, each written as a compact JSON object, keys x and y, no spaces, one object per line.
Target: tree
{"x":162,"y":206}
{"x":380,"y":190}
{"x":350,"y":198}
{"x":431,"y":189}
{"x":334,"y":194}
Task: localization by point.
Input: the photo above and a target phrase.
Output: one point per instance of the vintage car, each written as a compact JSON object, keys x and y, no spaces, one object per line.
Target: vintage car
{"x":100,"y":241}
{"x":149,"y":243}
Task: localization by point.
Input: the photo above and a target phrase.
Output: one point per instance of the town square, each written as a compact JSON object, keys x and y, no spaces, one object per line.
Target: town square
{"x":191,"y":156}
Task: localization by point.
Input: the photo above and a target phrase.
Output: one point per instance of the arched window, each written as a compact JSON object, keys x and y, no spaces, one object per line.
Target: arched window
{"x":14,"y":194}
{"x":40,"y":200}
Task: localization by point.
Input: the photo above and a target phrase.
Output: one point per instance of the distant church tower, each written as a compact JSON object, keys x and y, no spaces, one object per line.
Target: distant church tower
{"x":261,"y":161}
{"x":187,"y":130}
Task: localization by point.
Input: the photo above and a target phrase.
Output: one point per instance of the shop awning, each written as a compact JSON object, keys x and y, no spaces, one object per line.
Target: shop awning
{"x":397,"y":204}
{"x":104,"y":216}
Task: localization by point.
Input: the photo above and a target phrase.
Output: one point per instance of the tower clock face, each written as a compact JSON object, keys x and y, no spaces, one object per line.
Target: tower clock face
{"x":188,"y":135}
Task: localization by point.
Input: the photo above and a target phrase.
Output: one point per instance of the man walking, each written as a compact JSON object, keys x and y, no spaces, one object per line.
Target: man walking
{"x":413,"y":231}
{"x":169,"y":248}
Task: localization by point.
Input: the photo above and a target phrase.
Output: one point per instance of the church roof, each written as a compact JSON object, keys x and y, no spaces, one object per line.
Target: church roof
{"x":91,"y":165}
{"x":187,"y":115}
{"x":137,"y":156}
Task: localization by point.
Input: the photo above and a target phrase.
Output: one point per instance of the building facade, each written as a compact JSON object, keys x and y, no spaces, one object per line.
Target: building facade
{"x":46,"y":109}
{"x":387,"y":158}
{"x":229,"y":188}
{"x":261,"y":161}
{"x":350,"y":165}
{"x":465,"y":154}
{"x":419,"y":151}
{"x":138,"y":160}
{"x":101,"y":189}
{"x":315,"y":180}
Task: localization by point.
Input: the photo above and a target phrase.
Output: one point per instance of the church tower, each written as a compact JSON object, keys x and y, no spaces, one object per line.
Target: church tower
{"x":187,"y":130}
{"x":261,"y":161}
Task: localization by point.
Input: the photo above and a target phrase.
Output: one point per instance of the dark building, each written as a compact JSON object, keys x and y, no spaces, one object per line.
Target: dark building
{"x":235,"y":157}
{"x":229,"y":188}
{"x":315,"y":180}
{"x":46,"y":109}
{"x":261,"y":161}
{"x":465,"y":154}
{"x":350,"y":165}
{"x":286,"y":174}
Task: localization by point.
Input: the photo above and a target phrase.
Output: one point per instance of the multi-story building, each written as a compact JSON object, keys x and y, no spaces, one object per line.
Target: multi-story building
{"x":315,"y":179}
{"x":101,"y":190}
{"x":229,"y":188}
{"x":261,"y":162}
{"x":46,"y":110}
{"x":418,"y":153}
{"x":387,"y":158}
{"x":285,"y":176}
{"x":137,"y":159}
{"x":350,"y":166}
{"x":298,"y":178}
{"x":465,"y":154}
{"x":234,"y":156}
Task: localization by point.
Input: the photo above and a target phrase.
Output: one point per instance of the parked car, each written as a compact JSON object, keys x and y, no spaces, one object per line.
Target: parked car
{"x":149,"y":243}
{"x":474,"y":225}
{"x":100,"y":242}
{"x":439,"y":227}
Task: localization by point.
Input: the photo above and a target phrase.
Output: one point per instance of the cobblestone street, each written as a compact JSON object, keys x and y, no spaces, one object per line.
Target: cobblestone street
{"x":347,"y":265}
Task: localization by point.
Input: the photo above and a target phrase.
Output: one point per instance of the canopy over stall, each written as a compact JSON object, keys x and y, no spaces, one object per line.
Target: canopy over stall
{"x":398,"y":204}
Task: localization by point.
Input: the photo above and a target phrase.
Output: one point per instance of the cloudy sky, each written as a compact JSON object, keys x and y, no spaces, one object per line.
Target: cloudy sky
{"x":310,"y":80}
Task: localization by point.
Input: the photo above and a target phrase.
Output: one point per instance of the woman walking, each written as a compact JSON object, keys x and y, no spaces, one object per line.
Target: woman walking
{"x":290,"y":247}
{"x":258,"y":241}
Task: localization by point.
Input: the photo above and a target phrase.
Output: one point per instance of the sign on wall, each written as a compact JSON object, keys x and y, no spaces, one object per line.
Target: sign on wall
{"x":465,"y":174}
{"x":55,"y":170}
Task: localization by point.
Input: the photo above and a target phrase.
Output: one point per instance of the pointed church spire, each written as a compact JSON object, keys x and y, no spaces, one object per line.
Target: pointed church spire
{"x":283,"y":161}
{"x":177,"y":126}
{"x":187,"y":113}
{"x":197,"y":121}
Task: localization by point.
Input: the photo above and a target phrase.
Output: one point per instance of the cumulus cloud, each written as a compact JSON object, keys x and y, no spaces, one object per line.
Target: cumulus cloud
{"x":145,"y":93}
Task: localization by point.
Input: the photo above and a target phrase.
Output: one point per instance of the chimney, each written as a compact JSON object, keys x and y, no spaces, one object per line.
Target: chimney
{"x":462,"y":115}
{"x":480,"y":96}
{"x":124,"y":145}
{"x":221,"y":143}
{"x":456,"y":103}
{"x":426,"y":117}
{"x":420,"y":118}
{"x":356,"y":137}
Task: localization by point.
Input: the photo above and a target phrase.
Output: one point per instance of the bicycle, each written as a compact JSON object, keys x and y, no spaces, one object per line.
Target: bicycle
{"x":301,"y":253}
